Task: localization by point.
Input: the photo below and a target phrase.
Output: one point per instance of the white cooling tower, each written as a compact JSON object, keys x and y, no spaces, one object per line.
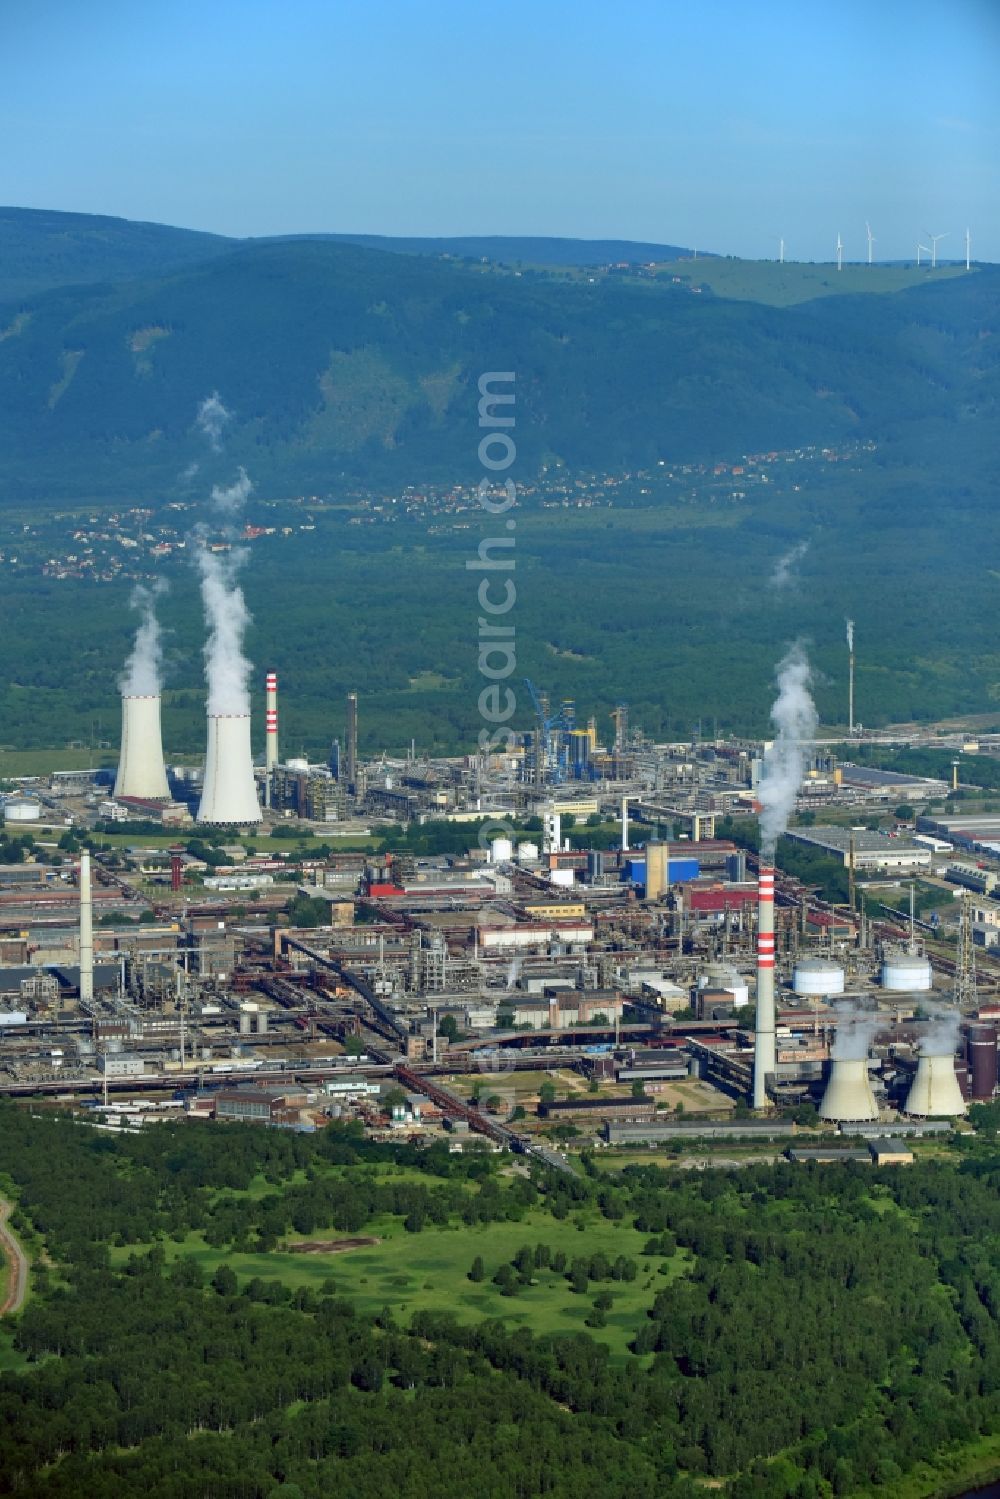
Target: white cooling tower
{"x":140,"y":768}
{"x":229,"y":794}
{"x":935,"y":1092}
{"x":849,"y":1097}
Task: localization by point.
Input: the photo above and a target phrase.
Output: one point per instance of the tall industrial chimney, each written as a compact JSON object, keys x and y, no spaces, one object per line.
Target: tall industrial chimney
{"x":271,"y":722}
{"x":352,"y":740}
{"x":228,"y":793}
{"x":140,"y":766}
{"x":764,"y":1049}
{"x":624,"y":823}
{"x":86,"y":931}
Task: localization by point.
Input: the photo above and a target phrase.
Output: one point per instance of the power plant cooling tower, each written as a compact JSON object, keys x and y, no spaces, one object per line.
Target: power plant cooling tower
{"x":140,"y":768}
{"x":935,"y":1093}
{"x":849,"y":1097}
{"x":764,"y":1044}
{"x":229,"y":794}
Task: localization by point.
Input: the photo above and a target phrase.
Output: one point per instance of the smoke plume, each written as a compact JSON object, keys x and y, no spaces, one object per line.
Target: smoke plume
{"x":235,"y":496}
{"x":212,"y":419}
{"x":850,"y":635}
{"x":942,"y":1034}
{"x":227,"y":670}
{"x":784,"y":568}
{"x":856,"y":1030}
{"x":141,"y":677}
{"x":794,"y":718}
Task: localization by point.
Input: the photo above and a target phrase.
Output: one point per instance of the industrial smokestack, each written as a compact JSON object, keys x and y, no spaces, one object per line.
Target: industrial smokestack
{"x":229,"y":794}
{"x":140,"y":767}
{"x":850,"y":676}
{"x":352,"y":739}
{"x":935,"y":1092}
{"x":271,"y":720}
{"x":624,"y":823}
{"x":86,"y":931}
{"x":764,"y":1048}
{"x":849,"y":1098}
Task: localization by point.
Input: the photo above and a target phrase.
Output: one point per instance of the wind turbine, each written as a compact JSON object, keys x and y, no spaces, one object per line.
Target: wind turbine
{"x":840,"y":252}
{"x":781,"y":250}
{"x":920,"y":248}
{"x":968,"y":250}
{"x":871,"y":240}
{"x":934,"y":239}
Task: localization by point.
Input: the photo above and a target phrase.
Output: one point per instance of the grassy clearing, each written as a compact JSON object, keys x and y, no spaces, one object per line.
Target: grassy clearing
{"x":429,"y":1271}
{"x":260,"y":842}
{"x":784,"y":285}
{"x":44,"y":762}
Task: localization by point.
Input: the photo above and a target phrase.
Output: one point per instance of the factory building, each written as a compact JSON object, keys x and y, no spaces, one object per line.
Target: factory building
{"x":874,"y":852}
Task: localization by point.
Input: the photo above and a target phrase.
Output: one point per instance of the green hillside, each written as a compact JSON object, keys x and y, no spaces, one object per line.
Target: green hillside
{"x":347,"y":362}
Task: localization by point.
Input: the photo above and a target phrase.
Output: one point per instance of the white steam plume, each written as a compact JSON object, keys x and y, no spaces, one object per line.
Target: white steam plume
{"x":941,"y":1037}
{"x":784,"y":568}
{"x":794,"y":718}
{"x":141,"y":677}
{"x":850,"y":634}
{"x":235,"y":496}
{"x":227,"y":670}
{"x":212,"y":419}
{"x":856,"y":1030}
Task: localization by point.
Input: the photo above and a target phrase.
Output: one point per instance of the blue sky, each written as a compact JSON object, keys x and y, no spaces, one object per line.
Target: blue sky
{"x":713,"y":123}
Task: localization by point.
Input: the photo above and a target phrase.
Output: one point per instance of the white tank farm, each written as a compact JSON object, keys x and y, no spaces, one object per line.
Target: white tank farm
{"x":849,"y":1098}
{"x":501,"y":851}
{"x":724,"y":976}
{"x":817,"y":978}
{"x":906,"y":972}
{"x":527,"y":853}
{"x":935,"y":1092}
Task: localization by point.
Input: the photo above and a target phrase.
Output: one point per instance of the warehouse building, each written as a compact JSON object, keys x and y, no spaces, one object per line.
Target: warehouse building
{"x":873,"y":852}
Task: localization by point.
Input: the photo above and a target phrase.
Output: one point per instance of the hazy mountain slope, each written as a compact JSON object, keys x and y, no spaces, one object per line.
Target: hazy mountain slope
{"x":339,"y":360}
{"x":514,"y":249}
{"x":41,"y":249}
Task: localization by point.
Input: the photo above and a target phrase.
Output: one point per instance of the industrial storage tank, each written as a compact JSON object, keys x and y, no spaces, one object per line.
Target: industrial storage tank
{"x":21,"y":809}
{"x":849,"y":1098}
{"x":935,"y":1092}
{"x":983,"y":1062}
{"x":725,"y":976}
{"x":501,"y":851}
{"x":817,"y":978}
{"x":906,"y":972}
{"x":527,"y":853}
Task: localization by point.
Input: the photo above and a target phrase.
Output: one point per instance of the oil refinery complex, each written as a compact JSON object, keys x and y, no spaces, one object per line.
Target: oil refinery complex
{"x":664,"y":981}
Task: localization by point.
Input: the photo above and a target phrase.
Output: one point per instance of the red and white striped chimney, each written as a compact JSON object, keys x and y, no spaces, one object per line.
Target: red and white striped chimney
{"x":271,"y":722}
{"x":764,"y":1047}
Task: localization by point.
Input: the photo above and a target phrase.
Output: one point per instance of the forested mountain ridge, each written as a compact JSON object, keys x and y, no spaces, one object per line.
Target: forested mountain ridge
{"x":345,"y":361}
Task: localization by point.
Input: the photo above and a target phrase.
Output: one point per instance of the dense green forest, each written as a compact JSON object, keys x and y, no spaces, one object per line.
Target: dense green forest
{"x":830,"y":1328}
{"x":342,"y":360}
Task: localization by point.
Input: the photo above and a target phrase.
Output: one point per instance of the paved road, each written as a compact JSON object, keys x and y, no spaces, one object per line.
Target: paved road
{"x":14,"y":1299}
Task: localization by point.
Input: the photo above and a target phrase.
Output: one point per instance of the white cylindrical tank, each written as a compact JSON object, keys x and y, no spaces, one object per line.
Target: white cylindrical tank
{"x":527,"y":853}
{"x":21,"y":809}
{"x":724,"y":976}
{"x":935,"y":1092}
{"x":849,"y":1096}
{"x":501,"y":851}
{"x":561,"y":877}
{"x":229,"y":794}
{"x":140,"y":768}
{"x":906,"y":972}
{"x":817,"y":977}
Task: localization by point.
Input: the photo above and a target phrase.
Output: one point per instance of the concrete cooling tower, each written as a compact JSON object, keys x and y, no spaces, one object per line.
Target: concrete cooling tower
{"x":140,"y":768}
{"x":229,"y":794}
{"x":849,"y":1097}
{"x":935,"y":1092}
